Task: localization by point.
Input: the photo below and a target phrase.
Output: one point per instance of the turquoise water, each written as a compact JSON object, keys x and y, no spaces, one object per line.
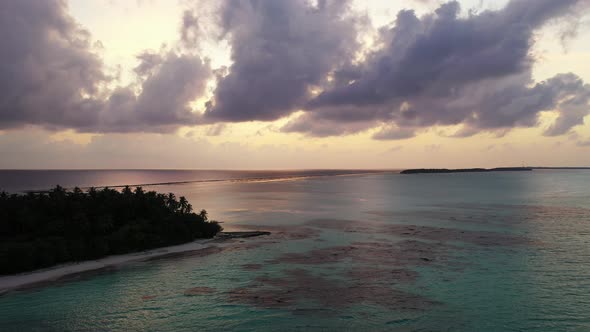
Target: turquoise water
{"x":437,"y":252}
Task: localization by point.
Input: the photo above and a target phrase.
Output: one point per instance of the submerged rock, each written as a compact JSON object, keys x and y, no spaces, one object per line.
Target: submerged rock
{"x":300,"y":286}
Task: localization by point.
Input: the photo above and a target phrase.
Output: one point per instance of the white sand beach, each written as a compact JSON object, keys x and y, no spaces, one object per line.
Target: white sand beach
{"x":23,"y":280}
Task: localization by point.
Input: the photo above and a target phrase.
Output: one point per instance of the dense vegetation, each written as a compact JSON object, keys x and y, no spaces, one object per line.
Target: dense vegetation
{"x":42,"y":229}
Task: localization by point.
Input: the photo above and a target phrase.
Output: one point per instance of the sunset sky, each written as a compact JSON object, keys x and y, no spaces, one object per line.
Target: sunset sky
{"x":288,"y":84}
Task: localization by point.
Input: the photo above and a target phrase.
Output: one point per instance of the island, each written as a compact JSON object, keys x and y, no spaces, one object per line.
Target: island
{"x":465,"y":170}
{"x":39,"y":230}
{"x":572,"y":168}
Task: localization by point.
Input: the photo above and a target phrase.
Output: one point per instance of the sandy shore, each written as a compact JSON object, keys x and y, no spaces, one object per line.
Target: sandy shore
{"x":46,"y":276}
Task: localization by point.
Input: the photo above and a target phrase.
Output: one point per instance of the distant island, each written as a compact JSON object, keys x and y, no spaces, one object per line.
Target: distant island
{"x":562,"y":168}
{"x":39,"y":230}
{"x":465,"y":170}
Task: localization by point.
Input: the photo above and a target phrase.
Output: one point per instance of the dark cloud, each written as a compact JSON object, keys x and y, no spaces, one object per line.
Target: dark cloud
{"x":571,"y":96}
{"x":501,"y":104}
{"x":51,"y":76}
{"x":443,"y":68}
{"x":447,"y":69}
{"x":47,"y":65}
{"x":280,"y":50}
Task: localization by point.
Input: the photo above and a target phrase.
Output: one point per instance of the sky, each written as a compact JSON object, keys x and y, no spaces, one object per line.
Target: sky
{"x":292,"y":84}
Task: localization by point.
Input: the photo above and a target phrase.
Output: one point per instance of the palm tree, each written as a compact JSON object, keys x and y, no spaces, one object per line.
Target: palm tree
{"x":92,"y":224}
{"x":127,"y":191}
{"x":139,"y":191}
{"x":171,"y":200}
{"x":58,"y":191}
{"x":184,"y":205}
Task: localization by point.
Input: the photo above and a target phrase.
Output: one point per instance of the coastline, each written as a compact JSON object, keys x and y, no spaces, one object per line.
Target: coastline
{"x":56,"y":273}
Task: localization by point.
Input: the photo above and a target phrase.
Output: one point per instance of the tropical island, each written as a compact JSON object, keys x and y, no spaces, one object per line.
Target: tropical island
{"x":39,"y":230}
{"x":465,"y":170}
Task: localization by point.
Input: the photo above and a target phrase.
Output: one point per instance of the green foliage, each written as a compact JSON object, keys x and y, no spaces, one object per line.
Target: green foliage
{"x":43,"y":229}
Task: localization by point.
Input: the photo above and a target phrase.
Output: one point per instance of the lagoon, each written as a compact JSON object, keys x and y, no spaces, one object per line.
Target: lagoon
{"x":380,"y":251}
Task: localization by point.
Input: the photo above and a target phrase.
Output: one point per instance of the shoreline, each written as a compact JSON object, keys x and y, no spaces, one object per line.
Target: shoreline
{"x":46,"y":276}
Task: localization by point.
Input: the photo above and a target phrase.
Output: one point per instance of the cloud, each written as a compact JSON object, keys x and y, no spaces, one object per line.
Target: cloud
{"x":189,"y":29}
{"x":52,"y":76}
{"x":281,"y":49}
{"x":448,"y":69}
{"x":394,"y":133}
{"x":307,"y":124}
{"x":47,"y":65}
{"x":571,"y":98}
{"x":443,"y":68}
{"x":169,"y":82}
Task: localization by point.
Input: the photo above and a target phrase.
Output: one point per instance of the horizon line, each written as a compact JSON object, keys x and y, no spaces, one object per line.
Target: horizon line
{"x":280,"y":169}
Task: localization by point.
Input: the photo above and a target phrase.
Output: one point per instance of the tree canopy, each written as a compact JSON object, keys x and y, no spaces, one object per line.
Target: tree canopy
{"x":43,"y":229}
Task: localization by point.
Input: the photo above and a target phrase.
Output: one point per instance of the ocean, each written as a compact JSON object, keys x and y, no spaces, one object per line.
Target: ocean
{"x":377,"y":251}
